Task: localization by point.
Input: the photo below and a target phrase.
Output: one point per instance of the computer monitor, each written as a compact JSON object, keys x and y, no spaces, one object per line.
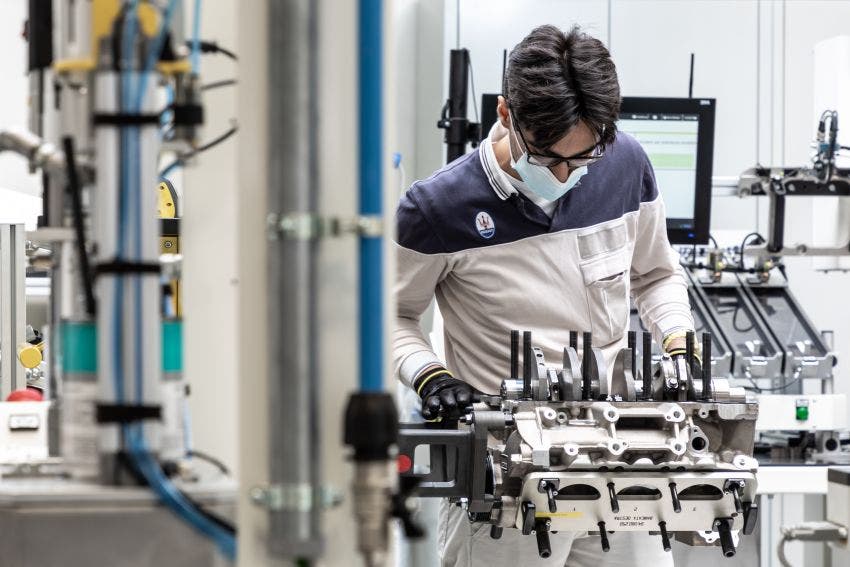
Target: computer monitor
{"x":678,"y":136}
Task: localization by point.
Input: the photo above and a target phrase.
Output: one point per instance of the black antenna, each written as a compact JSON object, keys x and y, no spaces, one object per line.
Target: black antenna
{"x":504,"y":67}
{"x":691,"y":79}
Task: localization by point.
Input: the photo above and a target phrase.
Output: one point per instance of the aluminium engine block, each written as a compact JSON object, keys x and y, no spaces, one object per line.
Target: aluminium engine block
{"x":564,"y":449}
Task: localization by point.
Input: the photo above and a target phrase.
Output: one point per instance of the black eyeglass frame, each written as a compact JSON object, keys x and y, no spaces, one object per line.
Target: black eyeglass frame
{"x":551,"y":160}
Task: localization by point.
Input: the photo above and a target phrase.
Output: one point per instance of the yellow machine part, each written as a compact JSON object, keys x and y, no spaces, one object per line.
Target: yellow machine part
{"x":167,"y":202}
{"x":31,"y":355}
{"x":104,"y":13}
{"x":169,"y":243}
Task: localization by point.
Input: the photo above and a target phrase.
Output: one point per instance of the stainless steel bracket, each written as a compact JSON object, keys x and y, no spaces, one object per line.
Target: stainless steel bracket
{"x":309,"y":226}
{"x":294,"y":497}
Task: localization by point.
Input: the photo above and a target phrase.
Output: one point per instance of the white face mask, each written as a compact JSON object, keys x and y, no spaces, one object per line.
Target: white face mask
{"x":540,"y":179}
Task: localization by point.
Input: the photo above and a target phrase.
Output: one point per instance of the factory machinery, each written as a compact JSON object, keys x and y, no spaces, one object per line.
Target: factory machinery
{"x":114,"y":88}
{"x":666,"y":448}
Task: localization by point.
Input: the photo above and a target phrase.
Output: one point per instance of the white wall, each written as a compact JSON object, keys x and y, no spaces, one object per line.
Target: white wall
{"x":210,"y":189}
{"x":14,"y":109}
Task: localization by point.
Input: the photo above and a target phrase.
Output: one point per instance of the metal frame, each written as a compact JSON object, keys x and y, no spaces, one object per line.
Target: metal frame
{"x":810,"y":367}
{"x":755,"y":367}
{"x":779,"y":183}
{"x":13,"y":312}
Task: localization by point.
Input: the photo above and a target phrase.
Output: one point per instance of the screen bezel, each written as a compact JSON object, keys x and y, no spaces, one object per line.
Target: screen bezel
{"x":704,"y":108}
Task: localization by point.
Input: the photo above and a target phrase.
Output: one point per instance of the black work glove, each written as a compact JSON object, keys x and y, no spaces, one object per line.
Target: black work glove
{"x":443,"y":395}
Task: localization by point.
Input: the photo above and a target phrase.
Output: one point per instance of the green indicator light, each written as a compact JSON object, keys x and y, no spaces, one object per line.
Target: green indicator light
{"x":802,"y":410}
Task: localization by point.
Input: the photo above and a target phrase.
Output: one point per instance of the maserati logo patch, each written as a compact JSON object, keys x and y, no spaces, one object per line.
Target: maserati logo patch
{"x":485,"y":225}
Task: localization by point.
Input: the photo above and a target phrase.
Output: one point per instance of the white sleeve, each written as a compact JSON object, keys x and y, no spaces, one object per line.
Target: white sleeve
{"x":416,"y":278}
{"x":659,"y":285}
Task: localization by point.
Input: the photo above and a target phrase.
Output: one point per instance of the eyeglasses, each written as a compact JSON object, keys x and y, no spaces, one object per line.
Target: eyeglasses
{"x":581,"y":159}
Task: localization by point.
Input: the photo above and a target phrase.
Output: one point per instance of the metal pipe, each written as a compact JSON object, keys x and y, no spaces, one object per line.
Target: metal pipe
{"x":294,"y":530}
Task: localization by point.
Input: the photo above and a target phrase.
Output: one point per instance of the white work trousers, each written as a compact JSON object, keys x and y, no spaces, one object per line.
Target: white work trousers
{"x":469,"y":545}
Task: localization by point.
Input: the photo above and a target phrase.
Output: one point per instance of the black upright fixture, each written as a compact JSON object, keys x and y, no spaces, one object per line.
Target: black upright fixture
{"x":459,"y":130}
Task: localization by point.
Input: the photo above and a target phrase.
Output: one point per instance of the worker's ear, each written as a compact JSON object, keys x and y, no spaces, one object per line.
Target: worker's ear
{"x":502,"y":110}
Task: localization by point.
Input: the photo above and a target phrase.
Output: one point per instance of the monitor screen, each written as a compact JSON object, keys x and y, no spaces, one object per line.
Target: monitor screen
{"x":678,"y":136}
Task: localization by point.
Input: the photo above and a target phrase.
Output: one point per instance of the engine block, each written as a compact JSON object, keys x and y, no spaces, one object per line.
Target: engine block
{"x":662,"y":450}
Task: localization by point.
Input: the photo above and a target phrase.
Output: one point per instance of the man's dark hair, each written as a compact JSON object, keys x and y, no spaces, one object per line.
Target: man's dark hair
{"x":555,"y":79}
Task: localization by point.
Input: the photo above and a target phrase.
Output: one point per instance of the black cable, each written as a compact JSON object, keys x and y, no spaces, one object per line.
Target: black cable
{"x":222,"y":522}
{"x":218,"y":84}
{"x":211,"y":47}
{"x":735,"y":322}
{"x":758,"y":389}
{"x":188,"y":155}
{"x":209,"y":459}
{"x":744,"y":243}
{"x":713,"y":241}
{"x":79,"y":224}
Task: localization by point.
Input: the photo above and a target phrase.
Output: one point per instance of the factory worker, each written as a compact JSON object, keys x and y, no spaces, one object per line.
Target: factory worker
{"x":551,"y":225}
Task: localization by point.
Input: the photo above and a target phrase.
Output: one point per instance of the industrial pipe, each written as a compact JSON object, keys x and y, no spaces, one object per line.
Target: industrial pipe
{"x":293,"y":368}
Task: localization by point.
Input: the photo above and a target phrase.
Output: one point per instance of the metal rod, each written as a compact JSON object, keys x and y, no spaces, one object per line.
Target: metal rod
{"x":514,"y":355}
{"x":677,"y":506}
{"x":727,"y":543}
{"x":632,"y":343}
{"x":706,"y":366}
{"x":574,"y":340}
{"x":587,"y":354}
{"x":541,"y":530}
{"x":527,"y":362}
{"x":603,"y":536}
{"x":612,"y":494}
{"x":292,"y":282}
{"x":776,"y":234}
{"x":647,"y":366}
{"x":665,"y":537}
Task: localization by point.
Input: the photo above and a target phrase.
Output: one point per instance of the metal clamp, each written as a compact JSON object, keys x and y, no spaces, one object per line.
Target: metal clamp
{"x":294,"y":497}
{"x":310,"y":226}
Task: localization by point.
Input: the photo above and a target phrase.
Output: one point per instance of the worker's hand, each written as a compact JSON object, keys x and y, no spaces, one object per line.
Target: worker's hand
{"x":443,"y":395}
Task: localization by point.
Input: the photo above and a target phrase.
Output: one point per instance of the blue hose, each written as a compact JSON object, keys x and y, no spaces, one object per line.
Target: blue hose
{"x":131,"y":173}
{"x":196,"y":39}
{"x":370,"y":61}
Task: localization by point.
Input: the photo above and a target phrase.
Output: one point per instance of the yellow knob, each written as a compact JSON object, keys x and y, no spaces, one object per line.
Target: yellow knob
{"x":30,"y":355}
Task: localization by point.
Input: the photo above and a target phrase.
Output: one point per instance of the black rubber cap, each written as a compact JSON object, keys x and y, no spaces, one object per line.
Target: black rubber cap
{"x":188,"y":114}
{"x":371,"y":425}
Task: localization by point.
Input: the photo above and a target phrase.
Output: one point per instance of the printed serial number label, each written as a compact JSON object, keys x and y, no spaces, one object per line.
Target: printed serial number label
{"x":634,"y":521}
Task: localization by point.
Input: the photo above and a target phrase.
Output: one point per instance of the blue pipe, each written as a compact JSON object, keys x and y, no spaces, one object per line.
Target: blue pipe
{"x":370,"y":61}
